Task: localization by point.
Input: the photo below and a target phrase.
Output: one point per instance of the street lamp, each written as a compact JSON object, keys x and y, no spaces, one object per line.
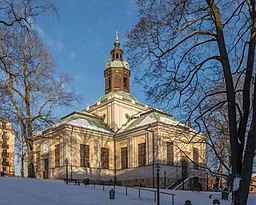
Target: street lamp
{"x":66,"y":163}
{"x":158,"y":167}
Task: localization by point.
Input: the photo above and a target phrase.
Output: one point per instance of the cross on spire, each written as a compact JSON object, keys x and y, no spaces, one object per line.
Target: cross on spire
{"x":117,"y":72}
{"x":117,"y":52}
{"x":116,"y":37}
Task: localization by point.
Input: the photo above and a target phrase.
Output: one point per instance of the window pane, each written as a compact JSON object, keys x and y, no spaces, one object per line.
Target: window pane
{"x":142,"y":154}
{"x":170,"y":154}
{"x":104,"y":158}
{"x":57,"y":155}
{"x":84,"y":155}
{"x":124,"y":158}
{"x":4,"y":125}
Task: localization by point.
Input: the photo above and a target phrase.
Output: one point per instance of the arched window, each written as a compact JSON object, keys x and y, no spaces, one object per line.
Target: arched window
{"x":125,"y":82}
{"x":117,"y":56}
{"x":109,"y":82}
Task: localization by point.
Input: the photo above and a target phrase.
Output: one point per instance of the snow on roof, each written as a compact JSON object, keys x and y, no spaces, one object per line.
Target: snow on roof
{"x":122,"y":94}
{"x":169,"y":121}
{"x":150,"y":117}
{"x":84,"y":120}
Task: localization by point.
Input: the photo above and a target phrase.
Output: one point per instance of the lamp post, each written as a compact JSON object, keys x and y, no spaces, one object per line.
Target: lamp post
{"x":158,"y":167}
{"x":66,"y":163}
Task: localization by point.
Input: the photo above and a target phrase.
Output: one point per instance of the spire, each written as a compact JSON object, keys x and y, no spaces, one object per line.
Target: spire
{"x":117,"y":37}
{"x":116,"y":52}
{"x":117,"y":72}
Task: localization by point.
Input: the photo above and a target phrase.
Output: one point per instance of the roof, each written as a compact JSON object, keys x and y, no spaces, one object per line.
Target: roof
{"x":116,"y":64}
{"x":149,"y":117}
{"x":123,"y":94}
{"x":84,"y":120}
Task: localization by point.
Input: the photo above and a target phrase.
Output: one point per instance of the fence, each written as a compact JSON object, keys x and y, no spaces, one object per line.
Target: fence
{"x":140,"y":190}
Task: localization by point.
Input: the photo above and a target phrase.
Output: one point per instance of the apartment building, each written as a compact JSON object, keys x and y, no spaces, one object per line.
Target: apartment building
{"x":6,"y":148}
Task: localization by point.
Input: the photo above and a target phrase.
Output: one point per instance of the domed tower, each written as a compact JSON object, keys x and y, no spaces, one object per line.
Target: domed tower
{"x":117,"y":72}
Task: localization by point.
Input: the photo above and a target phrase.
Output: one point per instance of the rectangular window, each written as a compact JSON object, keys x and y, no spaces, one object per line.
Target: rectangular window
{"x":125,"y":82}
{"x":84,"y":155}
{"x":5,"y":162}
{"x":109,"y":82}
{"x":57,"y":155}
{"x":141,"y":154}
{"x":170,"y":154}
{"x":104,"y":158}
{"x":195,"y":157}
{"x":124,"y":158}
{"x":3,"y":125}
{"x":5,"y":141}
{"x":5,"y":136}
{"x":5,"y":153}
{"x":5,"y":144}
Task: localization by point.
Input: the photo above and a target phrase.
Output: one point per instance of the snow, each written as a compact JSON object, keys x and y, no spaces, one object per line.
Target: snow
{"x":17,"y":191}
{"x":81,"y":123}
{"x":146,"y":121}
{"x":169,"y":121}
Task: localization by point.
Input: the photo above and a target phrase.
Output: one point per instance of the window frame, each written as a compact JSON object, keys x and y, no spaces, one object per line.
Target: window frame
{"x":57,"y":155}
{"x":104,"y":158}
{"x":170,"y":153}
{"x":141,"y":154}
{"x":84,"y":155}
{"x":124,"y":158}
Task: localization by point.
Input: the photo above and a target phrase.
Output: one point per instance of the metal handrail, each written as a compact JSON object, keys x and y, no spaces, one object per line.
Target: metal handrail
{"x":150,"y":190}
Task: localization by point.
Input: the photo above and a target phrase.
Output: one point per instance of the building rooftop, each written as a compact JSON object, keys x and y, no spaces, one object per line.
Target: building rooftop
{"x":150,"y":117}
{"x":84,"y":120}
{"x":123,"y":94}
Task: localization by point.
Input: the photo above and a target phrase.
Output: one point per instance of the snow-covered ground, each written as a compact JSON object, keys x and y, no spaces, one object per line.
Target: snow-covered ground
{"x":17,"y":191}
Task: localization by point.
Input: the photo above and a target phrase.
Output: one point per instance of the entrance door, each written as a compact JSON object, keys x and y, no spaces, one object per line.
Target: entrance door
{"x":46,"y":169}
{"x":184,"y":167}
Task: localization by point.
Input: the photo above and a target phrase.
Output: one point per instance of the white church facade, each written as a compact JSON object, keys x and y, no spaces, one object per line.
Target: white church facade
{"x":119,"y":140}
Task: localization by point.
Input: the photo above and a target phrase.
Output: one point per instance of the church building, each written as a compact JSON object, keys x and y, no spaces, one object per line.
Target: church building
{"x":120,"y":140}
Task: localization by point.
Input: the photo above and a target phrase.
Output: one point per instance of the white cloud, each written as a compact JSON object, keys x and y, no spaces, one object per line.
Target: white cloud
{"x":72,"y":54}
{"x":59,"y":45}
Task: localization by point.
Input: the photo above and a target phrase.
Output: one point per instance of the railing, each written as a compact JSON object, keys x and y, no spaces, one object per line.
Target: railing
{"x":140,"y":190}
{"x":154,"y":191}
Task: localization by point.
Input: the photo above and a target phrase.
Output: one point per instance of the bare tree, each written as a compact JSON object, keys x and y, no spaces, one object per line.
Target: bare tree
{"x":23,"y":12}
{"x":29,"y":89}
{"x":198,"y":49}
{"x":34,"y":90}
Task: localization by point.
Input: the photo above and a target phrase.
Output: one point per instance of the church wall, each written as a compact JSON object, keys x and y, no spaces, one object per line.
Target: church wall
{"x":69,"y":141}
{"x":95,"y":141}
{"x":184,"y":142}
{"x":116,"y":113}
{"x":156,"y":139}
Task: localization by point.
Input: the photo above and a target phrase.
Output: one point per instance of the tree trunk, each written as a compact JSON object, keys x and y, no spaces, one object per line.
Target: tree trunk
{"x":242,"y":195}
{"x":30,"y":151}
{"x":22,"y":158}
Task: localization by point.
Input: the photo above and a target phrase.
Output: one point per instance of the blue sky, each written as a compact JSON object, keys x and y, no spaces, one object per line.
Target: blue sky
{"x":81,"y":38}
